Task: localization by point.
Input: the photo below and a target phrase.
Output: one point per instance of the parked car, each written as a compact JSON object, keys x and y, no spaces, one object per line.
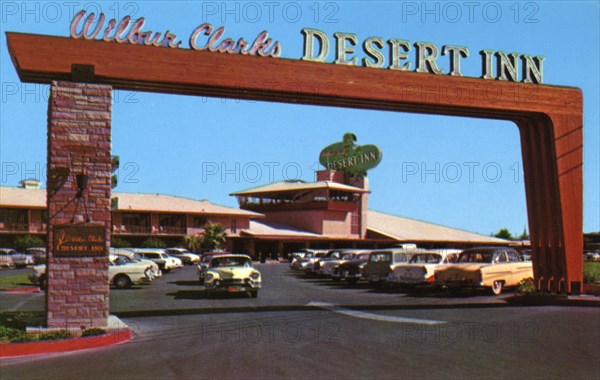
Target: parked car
{"x":331,"y":255}
{"x":205,"y":262}
{"x":307,"y":264}
{"x":382,"y":262}
{"x":327,"y":267}
{"x":232,"y":273}
{"x":592,"y":256}
{"x":122,"y":273}
{"x":492,"y":267}
{"x":38,"y":276}
{"x":10,"y":258}
{"x":39,"y":254}
{"x":301,"y":260}
{"x":136,"y":257}
{"x":421,"y":268}
{"x":165,"y":262}
{"x":187,"y":257}
{"x":351,"y":271}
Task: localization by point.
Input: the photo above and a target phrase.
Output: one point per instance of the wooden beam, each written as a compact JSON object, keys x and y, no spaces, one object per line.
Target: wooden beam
{"x":550,"y":117}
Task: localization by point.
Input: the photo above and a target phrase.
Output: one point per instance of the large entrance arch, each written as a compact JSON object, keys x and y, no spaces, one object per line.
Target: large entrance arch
{"x":549,"y":118}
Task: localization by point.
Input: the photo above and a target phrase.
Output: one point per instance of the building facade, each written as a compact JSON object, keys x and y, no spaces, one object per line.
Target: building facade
{"x":272,"y":220}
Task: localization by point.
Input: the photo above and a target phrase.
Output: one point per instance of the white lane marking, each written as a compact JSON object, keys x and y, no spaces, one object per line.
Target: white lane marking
{"x":375,"y":317}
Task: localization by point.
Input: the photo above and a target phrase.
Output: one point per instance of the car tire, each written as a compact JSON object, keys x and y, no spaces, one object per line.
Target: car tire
{"x":497,"y":287}
{"x":352,"y":281}
{"x":122,"y":282}
{"x":254,"y":294}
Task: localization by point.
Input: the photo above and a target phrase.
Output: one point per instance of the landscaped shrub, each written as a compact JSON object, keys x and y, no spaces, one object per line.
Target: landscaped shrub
{"x":526,"y":287}
{"x":28,"y":241}
{"x":591,"y":273}
{"x":116,"y":242}
{"x":154,"y":243}
{"x":93,"y":331}
{"x":20,"y":320}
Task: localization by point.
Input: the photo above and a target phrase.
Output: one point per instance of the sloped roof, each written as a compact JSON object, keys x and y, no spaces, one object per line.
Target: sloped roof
{"x":36,"y":198}
{"x":284,"y":186}
{"x":405,"y":229}
{"x":171,"y":203}
{"x":262,"y":229}
{"x":21,"y":197}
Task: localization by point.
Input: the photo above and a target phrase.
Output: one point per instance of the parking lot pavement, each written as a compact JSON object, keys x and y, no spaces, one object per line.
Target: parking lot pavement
{"x":302,"y":327}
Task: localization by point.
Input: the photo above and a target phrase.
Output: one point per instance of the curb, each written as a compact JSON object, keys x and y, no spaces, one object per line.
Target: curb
{"x":15,"y":350}
{"x":33,"y":289}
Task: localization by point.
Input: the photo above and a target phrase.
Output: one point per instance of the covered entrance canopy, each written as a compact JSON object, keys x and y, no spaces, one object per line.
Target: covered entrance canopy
{"x":549,"y":118}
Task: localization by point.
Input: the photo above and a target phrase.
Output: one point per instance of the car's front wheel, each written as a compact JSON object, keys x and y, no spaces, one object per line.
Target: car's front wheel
{"x":122,"y":282}
{"x":254,"y":294}
{"x":497,"y":287}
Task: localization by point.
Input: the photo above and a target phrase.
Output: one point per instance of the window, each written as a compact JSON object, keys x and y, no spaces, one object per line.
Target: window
{"x":512,"y":256}
{"x":233,"y":226}
{"x":199,"y":221}
{"x":14,"y":219}
{"x":355,"y":222}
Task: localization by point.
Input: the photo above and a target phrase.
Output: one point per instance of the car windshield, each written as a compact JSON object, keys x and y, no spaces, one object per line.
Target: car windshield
{"x":381,"y":256}
{"x":427,"y":258}
{"x":476,"y":257}
{"x":231,"y":262}
{"x":120,"y":260}
{"x":347,"y":256}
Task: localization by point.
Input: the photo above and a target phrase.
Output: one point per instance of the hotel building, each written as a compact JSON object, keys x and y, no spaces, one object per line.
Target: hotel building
{"x":274,"y":219}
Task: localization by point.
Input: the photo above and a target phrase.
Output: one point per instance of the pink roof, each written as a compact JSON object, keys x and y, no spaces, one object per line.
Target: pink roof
{"x":36,"y":198}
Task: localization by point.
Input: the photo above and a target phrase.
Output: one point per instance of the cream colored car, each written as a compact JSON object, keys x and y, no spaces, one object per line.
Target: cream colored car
{"x":491,"y":267}
{"x":233,"y":274}
{"x":421,"y":267}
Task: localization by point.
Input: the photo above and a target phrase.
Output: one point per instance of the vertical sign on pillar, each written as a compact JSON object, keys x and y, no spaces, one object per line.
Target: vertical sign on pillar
{"x":78,"y":195}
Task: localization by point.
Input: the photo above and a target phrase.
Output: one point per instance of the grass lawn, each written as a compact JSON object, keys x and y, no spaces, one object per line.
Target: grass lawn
{"x":15,"y":281}
{"x":591,"y":272}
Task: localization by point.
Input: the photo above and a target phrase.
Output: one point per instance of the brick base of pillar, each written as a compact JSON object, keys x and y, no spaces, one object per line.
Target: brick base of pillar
{"x":79,"y":142}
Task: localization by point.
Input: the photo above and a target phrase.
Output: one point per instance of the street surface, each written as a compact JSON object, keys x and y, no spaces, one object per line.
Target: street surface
{"x":303,"y":328}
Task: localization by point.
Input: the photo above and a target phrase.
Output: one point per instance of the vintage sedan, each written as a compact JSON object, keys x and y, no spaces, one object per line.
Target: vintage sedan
{"x":187,"y":257}
{"x":205,"y":262}
{"x":232,"y":273}
{"x":11,"y":258}
{"x":421,"y":268}
{"x":490,"y":267}
{"x":382,"y":262}
{"x":327,"y":268}
{"x":122,"y":273}
{"x":165,"y":262}
{"x":351,"y":271}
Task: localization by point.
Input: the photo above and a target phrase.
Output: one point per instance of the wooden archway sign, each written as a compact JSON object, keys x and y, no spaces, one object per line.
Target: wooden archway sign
{"x":549,"y":118}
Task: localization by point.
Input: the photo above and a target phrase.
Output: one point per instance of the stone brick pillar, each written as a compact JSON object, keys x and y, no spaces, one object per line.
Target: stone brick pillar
{"x":79,"y":142}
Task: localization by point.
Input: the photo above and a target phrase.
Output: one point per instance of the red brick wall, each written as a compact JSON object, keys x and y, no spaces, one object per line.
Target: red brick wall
{"x":79,"y":134}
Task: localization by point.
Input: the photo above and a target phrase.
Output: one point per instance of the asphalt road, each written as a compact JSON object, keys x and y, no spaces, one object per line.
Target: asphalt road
{"x":310,"y":328}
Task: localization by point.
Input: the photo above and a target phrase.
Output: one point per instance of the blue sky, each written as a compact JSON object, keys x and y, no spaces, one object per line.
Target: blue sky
{"x":461,"y":172}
